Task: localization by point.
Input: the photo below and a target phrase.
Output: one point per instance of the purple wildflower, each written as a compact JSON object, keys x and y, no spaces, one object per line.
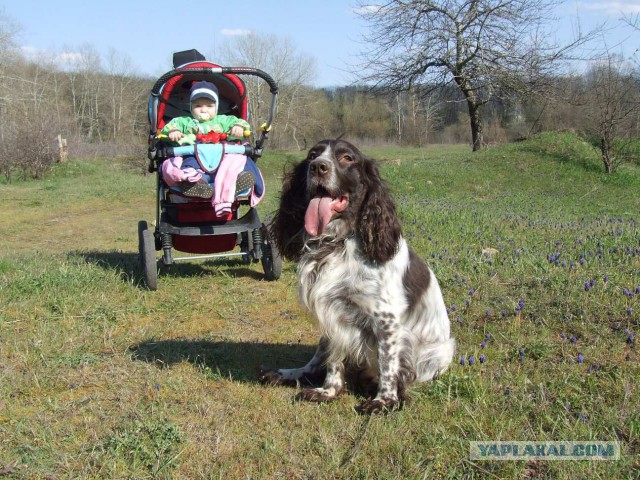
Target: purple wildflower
{"x":631,"y":338}
{"x":580,"y":358}
{"x":574,"y":339}
{"x":563,"y":336}
{"x":462,"y":360}
{"x":487,"y":336}
{"x":606,"y":278}
{"x":483,"y":344}
{"x":507,"y":391}
{"x":471,"y":360}
{"x":482,"y":358}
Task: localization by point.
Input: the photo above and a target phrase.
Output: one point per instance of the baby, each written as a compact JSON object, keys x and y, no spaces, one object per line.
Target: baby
{"x":205,"y":126}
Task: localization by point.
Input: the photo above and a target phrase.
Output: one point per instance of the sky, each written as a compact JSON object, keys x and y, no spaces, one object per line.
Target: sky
{"x":148,"y":32}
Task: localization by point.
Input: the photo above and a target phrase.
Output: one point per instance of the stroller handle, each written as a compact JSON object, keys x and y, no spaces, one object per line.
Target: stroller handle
{"x":231,"y":70}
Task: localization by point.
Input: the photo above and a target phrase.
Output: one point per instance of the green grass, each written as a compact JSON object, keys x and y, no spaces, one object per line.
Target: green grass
{"x":100,"y":378}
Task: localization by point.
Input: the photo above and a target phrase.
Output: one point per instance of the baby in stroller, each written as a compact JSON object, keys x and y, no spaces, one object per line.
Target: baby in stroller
{"x":203,"y":126}
{"x":182,"y":151}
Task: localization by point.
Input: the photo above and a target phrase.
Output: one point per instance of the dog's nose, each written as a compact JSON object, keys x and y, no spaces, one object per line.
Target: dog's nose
{"x":320,"y":167}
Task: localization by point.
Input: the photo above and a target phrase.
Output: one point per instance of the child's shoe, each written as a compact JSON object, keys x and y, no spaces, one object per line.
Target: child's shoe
{"x":199,"y":189}
{"x":244,"y":182}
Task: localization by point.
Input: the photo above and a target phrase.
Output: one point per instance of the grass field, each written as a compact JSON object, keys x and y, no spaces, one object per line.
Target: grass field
{"x":538,"y":256}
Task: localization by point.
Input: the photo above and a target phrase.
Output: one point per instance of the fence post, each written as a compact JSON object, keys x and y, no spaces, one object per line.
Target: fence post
{"x":62,"y":149}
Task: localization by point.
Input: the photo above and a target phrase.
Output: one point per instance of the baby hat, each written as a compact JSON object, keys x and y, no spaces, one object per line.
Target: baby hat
{"x":204,"y":90}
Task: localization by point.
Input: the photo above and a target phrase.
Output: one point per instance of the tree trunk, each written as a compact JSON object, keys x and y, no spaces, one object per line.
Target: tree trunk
{"x":475,"y":119}
{"x":605,"y":150}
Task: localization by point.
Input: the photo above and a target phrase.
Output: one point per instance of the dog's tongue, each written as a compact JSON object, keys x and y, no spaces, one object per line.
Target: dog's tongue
{"x":319,"y":213}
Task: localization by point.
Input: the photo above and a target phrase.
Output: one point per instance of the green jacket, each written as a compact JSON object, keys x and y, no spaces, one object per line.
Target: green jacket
{"x":190,"y":127}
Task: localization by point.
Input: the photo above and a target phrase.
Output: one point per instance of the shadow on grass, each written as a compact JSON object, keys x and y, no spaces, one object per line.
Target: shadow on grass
{"x":128,"y":267}
{"x":566,"y":149}
{"x":587,"y":164}
{"x":240,"y":361}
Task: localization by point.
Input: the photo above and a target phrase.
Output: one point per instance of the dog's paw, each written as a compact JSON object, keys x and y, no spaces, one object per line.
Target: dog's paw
{"x":316,"y":395}
{"x":274,"y":377}
{"x":377,"y":406}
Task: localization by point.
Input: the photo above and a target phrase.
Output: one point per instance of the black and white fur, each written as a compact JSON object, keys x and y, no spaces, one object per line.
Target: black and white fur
{"x":378,"y":305}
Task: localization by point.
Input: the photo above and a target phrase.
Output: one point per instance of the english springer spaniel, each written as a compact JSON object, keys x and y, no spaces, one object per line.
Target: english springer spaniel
{"x":378,"y":305}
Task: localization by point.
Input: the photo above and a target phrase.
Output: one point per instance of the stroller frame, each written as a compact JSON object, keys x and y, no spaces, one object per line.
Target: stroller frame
{"x":247,"y":231}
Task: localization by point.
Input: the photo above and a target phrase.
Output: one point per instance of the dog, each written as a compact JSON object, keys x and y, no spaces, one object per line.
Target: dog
{"x":379,"y":307}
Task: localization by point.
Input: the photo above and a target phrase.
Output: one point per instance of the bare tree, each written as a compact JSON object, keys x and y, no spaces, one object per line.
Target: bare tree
{"x":125,"y":96}
{"x":294,"y":71}
{"x":613,"y":106}
{"x":416,"y":116}
{"x":84,"y":76}
{"x":484,"y":47}
{"x":27,"y":110}
{"x":7,"y":55}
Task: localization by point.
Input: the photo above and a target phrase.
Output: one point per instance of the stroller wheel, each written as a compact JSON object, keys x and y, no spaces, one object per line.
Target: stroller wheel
{"x":271,"y":259}
{"x":147,"y":251}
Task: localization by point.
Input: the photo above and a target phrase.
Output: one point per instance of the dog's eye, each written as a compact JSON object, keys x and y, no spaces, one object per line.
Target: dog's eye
{"x":346,"y":158}
{"x":312,"y":155}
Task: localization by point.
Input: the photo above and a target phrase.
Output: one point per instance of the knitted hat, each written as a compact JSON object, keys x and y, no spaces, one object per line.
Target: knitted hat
{"x":204,"y":90}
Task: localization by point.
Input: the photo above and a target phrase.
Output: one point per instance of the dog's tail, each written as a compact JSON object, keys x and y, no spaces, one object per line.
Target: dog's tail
{"x":434,"y":359}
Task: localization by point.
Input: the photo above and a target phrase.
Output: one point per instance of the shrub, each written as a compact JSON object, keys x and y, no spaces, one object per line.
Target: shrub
{"x":29,"y":154}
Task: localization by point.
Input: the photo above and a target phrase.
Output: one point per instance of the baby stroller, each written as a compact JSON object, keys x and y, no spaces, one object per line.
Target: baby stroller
{"x":190,"y":225}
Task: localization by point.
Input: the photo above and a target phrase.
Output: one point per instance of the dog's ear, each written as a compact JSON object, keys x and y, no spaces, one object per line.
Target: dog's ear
{"x":378,"y":224}
{"x":287,"y":227}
